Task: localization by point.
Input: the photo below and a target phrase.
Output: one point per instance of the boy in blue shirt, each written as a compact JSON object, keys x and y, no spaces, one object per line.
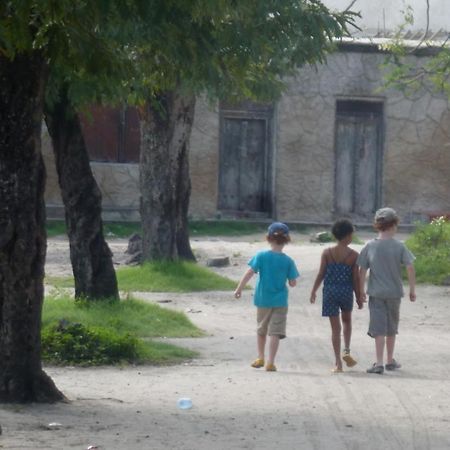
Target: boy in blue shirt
{"x":271,"y":294}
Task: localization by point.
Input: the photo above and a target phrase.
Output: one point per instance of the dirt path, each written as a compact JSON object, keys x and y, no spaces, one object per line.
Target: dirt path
{"x":302,"y":406}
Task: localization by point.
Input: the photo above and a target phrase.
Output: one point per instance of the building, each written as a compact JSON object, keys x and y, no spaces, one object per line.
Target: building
{"x":336,"y":144}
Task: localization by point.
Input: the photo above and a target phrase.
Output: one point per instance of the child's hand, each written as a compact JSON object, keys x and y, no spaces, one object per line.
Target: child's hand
{"x":237,"y":293}
{"x":360,"y":303}
{"x":363,"y":298}
{"x":312,"y":299}
{"x":412,"y":296}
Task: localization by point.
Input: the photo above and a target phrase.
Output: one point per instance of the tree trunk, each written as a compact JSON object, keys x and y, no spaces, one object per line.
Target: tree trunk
{"x":22,"y":231}
{"x":166,"y":126}
{"x":91,"y":258}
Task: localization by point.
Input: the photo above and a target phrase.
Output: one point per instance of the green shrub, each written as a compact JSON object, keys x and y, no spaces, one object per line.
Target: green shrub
{"x":74,"y":343}
{"x":430,"y":244}
{"x":102,"y":332}
{"x":325,"y":236}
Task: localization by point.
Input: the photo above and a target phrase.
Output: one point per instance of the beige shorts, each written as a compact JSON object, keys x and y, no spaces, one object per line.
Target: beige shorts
{"x":272,"y":321}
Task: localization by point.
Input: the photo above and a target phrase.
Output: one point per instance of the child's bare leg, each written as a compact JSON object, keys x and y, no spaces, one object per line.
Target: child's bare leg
{"x":390,"y":345}
{"x":335,"y":323}
{"x":379,"y":347}
{"x":273,"y":348}
{"x":347,"y":328}
{"x":261,"y":342}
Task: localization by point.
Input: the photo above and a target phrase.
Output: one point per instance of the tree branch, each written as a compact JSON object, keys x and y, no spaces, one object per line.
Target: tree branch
{"x":349,"y":6}
{"x":426,"y":29}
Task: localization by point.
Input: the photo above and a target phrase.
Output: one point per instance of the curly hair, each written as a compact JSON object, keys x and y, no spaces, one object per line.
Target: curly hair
{"x":342,"y":228}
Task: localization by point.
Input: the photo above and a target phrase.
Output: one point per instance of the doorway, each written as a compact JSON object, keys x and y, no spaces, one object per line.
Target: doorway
{"x":245,"y":160}
{"x":358,"y":156}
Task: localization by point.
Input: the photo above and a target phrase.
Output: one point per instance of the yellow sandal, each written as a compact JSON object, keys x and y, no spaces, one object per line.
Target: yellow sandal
{"x":271,"y":368}
{"x":349,"y":359}
{"x":257,"y":363}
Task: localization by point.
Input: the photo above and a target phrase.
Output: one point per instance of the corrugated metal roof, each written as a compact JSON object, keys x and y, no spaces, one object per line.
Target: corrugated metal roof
{"x":410,"y":38}
{"x":407,"y":35}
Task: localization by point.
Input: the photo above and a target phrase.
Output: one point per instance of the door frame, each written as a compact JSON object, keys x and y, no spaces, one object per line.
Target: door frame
{"x":248,"y":110}
{"x":378,"y":109}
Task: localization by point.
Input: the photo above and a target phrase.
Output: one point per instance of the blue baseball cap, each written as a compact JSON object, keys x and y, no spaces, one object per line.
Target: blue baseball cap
{"x":278,"y":228}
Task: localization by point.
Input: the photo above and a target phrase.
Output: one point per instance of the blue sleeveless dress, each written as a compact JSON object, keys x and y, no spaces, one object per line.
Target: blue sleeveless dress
{"x":337,"y":289}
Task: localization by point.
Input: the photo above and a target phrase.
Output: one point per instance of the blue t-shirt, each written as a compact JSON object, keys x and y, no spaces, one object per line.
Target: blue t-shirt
{"x":274,"y":269}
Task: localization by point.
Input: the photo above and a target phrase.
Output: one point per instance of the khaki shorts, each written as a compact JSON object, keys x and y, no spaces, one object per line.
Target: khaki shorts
{"x":384,"y":316}
{"x":272,"y":321}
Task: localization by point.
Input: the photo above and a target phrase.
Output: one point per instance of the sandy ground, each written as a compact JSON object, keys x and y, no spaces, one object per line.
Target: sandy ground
{"x":302,"y":406}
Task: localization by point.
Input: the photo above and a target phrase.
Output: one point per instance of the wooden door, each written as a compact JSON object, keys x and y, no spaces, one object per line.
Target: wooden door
{"x":243,"y":165}
{"x":358,"y":163}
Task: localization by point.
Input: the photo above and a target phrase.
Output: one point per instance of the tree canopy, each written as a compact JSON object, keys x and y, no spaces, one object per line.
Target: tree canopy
{"x":232,"y":49}
{"x":149,"y":51}
{"x":224,"y":50}
{"x":407,"y":73}
{"x":67,"y":40}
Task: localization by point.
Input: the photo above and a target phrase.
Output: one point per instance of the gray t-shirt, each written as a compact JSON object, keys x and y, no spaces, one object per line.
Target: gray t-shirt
{"x":384,"y":258}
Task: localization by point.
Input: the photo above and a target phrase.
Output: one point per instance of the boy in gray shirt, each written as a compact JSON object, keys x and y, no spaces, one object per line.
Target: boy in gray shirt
{"x":385,"y":256}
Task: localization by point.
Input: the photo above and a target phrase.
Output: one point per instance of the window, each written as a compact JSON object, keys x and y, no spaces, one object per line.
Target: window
{"x":112,"y":134}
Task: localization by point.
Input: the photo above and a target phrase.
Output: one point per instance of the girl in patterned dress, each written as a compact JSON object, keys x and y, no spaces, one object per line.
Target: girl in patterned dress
{"x":339,"y":273}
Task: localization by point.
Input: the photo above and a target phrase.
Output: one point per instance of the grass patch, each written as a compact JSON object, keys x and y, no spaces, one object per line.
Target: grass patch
{"x":121,"y":229}
{"x":196,"y":228}
{"x":233,"y":228}
{"x":60,"y":282}
{"x":110,"y":229}
{"x":167,"y":276}
{"x":430,"y":244}
{"x":55,"y":228}
{"x":143,"y":319}
{"x":162,"y":276}
{"x":92,"y":333}
{"x":225,"y":228}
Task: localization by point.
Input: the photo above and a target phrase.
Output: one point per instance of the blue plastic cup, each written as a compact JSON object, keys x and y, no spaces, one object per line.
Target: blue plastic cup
{"x":184,"y":403}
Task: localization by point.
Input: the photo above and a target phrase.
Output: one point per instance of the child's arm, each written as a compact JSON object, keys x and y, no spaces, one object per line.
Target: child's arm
{"x":245,"y":279}
{"x":292,"y":283}
{"x":412,"y":282}
{"x":362,"y":282}
{"x":357,"y":286}
{"x":319,"y":278}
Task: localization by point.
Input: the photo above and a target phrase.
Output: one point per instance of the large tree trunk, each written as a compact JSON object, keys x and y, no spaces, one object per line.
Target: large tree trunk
{"x":166,"y":126}
{"x":91,"y":258}
{"x":22,"y":231}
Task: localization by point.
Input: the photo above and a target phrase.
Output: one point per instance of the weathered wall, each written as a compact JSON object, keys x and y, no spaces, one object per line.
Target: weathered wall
{"x":204,"y":160}
{"x":416,"y":151}
{"x":416,"y":162}
{"x":119,"y":184}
